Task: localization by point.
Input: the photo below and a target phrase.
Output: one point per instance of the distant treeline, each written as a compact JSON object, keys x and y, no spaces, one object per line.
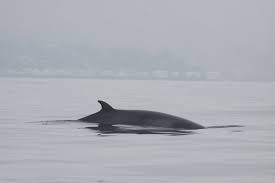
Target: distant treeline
{"x":46,"y":58}
{"x":47,"y":55}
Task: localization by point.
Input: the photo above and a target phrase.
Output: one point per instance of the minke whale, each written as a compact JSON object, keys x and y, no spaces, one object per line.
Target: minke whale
{"x":109,"y":116}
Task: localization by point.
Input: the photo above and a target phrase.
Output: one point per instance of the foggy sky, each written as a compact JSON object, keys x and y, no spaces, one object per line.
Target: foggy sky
{"x":216,"y":33}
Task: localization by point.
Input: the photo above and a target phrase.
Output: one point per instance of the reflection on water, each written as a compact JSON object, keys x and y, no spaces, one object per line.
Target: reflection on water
{"x":136,"y":130}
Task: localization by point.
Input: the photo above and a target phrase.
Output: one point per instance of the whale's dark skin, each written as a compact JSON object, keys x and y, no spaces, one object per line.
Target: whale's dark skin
{"x":109,"y":116}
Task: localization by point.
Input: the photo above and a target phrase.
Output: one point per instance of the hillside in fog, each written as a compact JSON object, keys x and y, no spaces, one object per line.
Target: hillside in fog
{"x":53,"y":59}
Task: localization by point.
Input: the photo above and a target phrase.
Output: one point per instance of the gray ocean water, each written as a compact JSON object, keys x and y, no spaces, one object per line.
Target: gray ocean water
{"x":69,"y":152}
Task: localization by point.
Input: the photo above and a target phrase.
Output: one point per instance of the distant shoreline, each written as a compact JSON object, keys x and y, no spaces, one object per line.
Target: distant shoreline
{"x":117,"y":79}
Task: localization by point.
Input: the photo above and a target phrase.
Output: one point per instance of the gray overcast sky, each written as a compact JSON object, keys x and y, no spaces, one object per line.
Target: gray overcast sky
{"x":217,"y":32}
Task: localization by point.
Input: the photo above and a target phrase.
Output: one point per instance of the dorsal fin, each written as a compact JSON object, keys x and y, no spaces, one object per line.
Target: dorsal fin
{"x":105,"y":106}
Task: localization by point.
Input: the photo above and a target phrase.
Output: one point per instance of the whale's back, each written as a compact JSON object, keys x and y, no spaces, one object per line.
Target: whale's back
{"x":156,"y":119}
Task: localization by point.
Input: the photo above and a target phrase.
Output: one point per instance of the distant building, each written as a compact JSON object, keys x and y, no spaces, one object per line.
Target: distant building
{"x":193,"y":75}
{"x":107,"y":74}
{"x":160,"y":74}
{"x":213,"y":75}
{"x":122,"y":74}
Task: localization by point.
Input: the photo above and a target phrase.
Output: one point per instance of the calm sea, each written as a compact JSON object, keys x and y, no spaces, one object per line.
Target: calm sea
{"x":68,"y":152}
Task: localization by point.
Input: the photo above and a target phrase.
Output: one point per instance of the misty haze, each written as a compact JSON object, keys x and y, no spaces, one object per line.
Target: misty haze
{"x":182,"y":40}
{"x":133,"y":91}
